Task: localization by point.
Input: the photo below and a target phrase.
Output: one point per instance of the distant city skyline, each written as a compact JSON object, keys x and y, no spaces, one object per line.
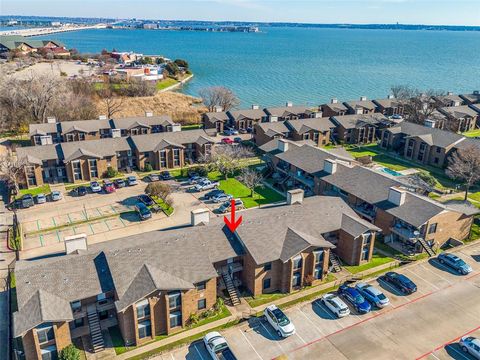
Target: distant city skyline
{"x":433,"y":12}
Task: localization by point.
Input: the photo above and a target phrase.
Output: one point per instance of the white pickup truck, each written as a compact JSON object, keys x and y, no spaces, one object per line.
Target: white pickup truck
{"x":217,"y":347}
{"x":205,"y":185}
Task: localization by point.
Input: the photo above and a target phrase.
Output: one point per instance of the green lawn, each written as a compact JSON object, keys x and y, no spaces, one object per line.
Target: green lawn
{"x":167,"y":209}
{"x":166,"y":83}
{"x":475,"y":232}
{"x":472,"y":133}
{"x":45,"y":189}
{"x":474,"y":196}
{"x":262,"y":196}
{"x":191,"y":127}
{"x":377,"y":260}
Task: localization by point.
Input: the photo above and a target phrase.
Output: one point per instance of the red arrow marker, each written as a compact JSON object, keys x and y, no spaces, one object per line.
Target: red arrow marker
{"x":232,"y":224}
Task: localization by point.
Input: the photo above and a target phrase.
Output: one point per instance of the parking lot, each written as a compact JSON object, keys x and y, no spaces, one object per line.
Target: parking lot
{"x":424,"y":325}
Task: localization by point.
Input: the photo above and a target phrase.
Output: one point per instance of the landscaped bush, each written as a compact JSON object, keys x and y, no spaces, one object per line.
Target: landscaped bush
{"x":428,"y":178}
{"x":147,"y":168}
{"x":69,"y":353}
{"x":111,"y":172}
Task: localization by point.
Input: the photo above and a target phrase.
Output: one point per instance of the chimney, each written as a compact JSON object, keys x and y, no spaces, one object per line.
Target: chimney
{"x":148,"y":114}
{"x":51,"y":119}
{"x":273,"y":118}
{"x":390,"y":97}
{"x":75,"y":242}
{"x":397,"y":196}
{"x":456,"y":103}
{"x":255,"y":107}
{"x":217,"y":108}
{"x":294,"y":196}
{"x":476,"y":92}
{"x":334,"y":101}
{"x":288,"y":104}
{"x":282,"y":145}
{"x":363,"y":98}
{"x":429,"y":123}
{"x":449,"y":93}
{"x":102,"y":117}
{"x":199,"y":217}
{"x":330,"y":166}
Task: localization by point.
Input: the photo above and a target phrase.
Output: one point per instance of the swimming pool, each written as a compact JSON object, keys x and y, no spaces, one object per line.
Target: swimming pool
{"x":390,"y":172}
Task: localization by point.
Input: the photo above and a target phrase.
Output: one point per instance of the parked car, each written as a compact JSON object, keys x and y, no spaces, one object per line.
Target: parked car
{"x":335,"y":305}
{"x":218,"y":347}
{"x":27,"y":201}
{"x":470,"y":345}
{"x":108,"y":186}
{"x":396,"y":117}
{"x":95,"y":186}
{"x":237,"y":140}
{"x":79,"y":191}
{"x":153,"y":177}
{"x":225,"y":207}
{"x":143,"y":211}
{"x":147,"y":200}
{"x":227,"y":141}
{"x":205,"y":185}
{"x":279,"y":321}
{"x":195,"y":179}
{"x":132,"y":181}
{"x":222,"y":198}
{"x":401,"y":282}
{"x":165,"y":175}
{"x":354,"y":297}
{"x":56,"y":195}
{"x":120,"y":183}
{"x":213,"y":193}
{"x":41,"y":198}
{"x":373,"y":295}
{"x":230,"y":131}
{"x":454,"y":262}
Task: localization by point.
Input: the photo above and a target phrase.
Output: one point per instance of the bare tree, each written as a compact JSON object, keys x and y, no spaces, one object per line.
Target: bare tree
{"x":227,"y":159}
{"x":464,"y":165}
{"x":11,"y":169}
{"x":251,"y":179}
{"x":219,"y":96}
{"x":160,"y":190}
{"x":113,"y":103}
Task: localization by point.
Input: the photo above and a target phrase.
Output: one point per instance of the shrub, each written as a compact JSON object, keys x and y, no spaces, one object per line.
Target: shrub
{"x":148,"y":168}
{"x":428,"y":178}
{"x":69,"y":353}
{"x":219,"y":304}
{"x":193,"y":319}
{"x":111,"y":172}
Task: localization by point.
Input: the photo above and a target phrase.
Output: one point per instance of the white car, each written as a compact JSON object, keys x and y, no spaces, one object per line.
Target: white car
{"x":41,"y":198}
{"x":95,"y":186}
{"x":373,"y":295}
{"x":217,"y":346}
{"x":279,"y":321}
{"x":471,"y":345}
{"x":220,"y":198}
{"x":335,"y":305}
{"x":205,"y":185}
{"x":196,"y":179}
{"x":56,"y":195}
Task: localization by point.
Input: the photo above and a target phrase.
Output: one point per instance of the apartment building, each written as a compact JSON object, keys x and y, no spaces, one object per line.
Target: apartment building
{"x":471,"y":99}
{"x":403,"y":215}
{"x":390,"y":106}
{"x":317,"y":129}
{"x":461,"y":118}
{"x":217,"y":120}
{"x":361,"y":107}
{"x":449,"y":100}
{"x":54,"y":132}
{"x":419,"y":143}
{"x":359,"y":128}
{"x":267,"y":131}
{"x":334,"y":108}
{"x":150,"y":284}
{"x":245,"y":120}
{"x":88,"y":160}
{"x":291,"y":112}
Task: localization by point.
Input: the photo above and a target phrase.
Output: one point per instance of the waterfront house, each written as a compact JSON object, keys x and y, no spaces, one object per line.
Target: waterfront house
{"x":471,"y":99}
{"x":28,"y":45}
{"x":335,"y":108}
{"x":267,"y":131}
{"x":244,"y":120}
{"x":291,"y":112}
{"x":359,"y":128}
{"x":390,"y":106}
{"x":152,"y":284}
{"x":460,"y":118}
{"x":404,"y":216}
{"x":142,"y":125}
{"x":361,"y":107}
{"x":448,"y":100}
{"x":317,"y":129}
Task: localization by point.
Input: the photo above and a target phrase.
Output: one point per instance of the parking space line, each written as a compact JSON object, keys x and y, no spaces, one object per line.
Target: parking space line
{"x":171,"y":355}
{"x":99,"y":213}
{"x":121,"y":220}
{"x":310,"y":321}
{"x":267,"y":330}
{"x":58,"y":236}
{"x":436,"y":357}
{"x":198,"y":352}
{"x":41,"y":240}
{"x":106,"y":223}
{"x":249,"y":343}
{"x":69,"y":219}
{"x":296,"y":333}
{"x":324,"y":308}
{"x":91,"y":228}
{"x":433,"y":272}
{"x":428,"y":282}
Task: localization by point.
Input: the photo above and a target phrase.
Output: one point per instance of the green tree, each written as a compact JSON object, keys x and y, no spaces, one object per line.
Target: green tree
{"x":181,"y":63}
{"x":159,"y":190}
{"x":69,"y":353}
{"x":111,"y":172}
{"x":172,"y":68}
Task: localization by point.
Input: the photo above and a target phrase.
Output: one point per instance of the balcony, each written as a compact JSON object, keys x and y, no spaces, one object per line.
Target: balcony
{"x":231,"y":268}
{"x":406,"y":232}
{"x":366,"y":210}
{"x":103,"y":305}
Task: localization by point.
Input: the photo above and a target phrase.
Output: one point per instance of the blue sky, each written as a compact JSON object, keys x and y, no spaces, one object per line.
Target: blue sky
{"x":454,"y":12}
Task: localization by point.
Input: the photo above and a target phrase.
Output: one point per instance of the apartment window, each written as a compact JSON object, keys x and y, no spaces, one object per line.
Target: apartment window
{"x":134,"y":131}
{"x":81,"y":136}
{"x":45,"y":334}
{"x":69,"y":137}
{"x":101,"y":297}
{"x":32,"y":181}
{"x":318,"y":256}
{"x":297,"y":262}
{"x":76,"y":305}
{"x":202,"y":304}
{"x":78,"y":323}
{"x":174,"y":300}
{"x":267,"y":266}
{"x":317,"y":274}
{"x":208,"y":149}
{"x":438,"y":150}
{"x":432,"y":229}
{"x":297,"y":279}
{"x":163,"y":158}
{"x":143,"y":309}
{"x":306,"y":136}
{"x":93,"y":168}
{"x":267,"y":283}
{"x":144,"y":329}
{"x":175,"y":319}
{"x":77,"y":170}
{"x":315,"y":136}
{"x":436,"y":160}
{"x":201,"y":285}
{"x":176,"y":157}
{"x":49,"y":353}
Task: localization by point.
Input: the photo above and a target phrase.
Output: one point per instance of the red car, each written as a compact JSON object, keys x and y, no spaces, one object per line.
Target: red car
{"x":227,"y":141}
{"x":108,"y":186}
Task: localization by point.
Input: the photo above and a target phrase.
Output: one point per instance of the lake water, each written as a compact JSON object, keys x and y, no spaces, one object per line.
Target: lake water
{"x":304,"y":65}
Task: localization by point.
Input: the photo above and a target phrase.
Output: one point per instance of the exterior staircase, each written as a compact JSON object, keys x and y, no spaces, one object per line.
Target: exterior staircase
{"x":231,"y":289}
{"x":427,"y":247}
{"x":334,"y":262}
{"x":95,"y":330}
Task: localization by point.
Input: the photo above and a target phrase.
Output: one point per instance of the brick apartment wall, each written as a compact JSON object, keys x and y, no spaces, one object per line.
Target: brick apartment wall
{"x":349,"y":249}
{"x":384,"y":221}
{"x":260,"y":137}
{"x":127,"y":325}
{"x":31,"y":346}
{"x":450,"y":225}
{"x":62,"y":335}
